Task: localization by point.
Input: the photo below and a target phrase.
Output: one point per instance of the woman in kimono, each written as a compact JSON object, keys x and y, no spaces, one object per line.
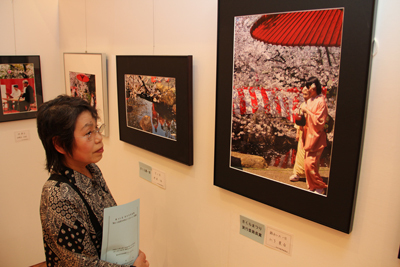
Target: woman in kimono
{"x":314,"y":136}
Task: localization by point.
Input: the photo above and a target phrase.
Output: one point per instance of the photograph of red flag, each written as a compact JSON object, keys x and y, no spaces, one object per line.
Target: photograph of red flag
{"x":83,"y":85}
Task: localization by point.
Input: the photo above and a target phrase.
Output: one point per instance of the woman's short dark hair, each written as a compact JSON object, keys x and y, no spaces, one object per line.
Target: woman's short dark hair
{"x":56,"y":123}
{"x":314,"y":80}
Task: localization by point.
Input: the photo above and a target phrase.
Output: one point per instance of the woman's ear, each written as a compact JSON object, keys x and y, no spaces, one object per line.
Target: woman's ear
{"x":57,"y":145}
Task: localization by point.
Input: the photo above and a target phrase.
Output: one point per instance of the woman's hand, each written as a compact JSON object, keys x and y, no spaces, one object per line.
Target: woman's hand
{"x":304,"y":109}
{"x":141,"y":260}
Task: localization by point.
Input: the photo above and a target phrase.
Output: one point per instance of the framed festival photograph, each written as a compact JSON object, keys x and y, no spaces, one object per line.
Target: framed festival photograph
{"x":20,"y":86}
{"x":155,"y":104}
{"x":291,"y":95}
{"x":86,"y":77}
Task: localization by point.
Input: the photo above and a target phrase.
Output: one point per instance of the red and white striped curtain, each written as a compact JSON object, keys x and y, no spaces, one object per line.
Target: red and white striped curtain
{"x":275,"y":101}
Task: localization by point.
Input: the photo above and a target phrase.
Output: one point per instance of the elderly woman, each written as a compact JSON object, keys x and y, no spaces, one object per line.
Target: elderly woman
{"x":74,"y":197}
{"x":314,"y":137}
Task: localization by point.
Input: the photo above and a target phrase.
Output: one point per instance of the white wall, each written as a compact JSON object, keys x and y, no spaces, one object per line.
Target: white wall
{"x":191,"y":223}
{"x":27,"y":28}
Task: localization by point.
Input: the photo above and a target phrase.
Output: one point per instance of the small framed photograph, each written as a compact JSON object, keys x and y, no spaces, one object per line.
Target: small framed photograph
{"x":155,"y":104}
{"x":86,"y":77}
{"x":292,"y":83}
{"x":20,"y":86}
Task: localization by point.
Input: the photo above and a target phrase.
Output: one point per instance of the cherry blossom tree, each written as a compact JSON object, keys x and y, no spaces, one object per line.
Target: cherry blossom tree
{"x":261,"y":65}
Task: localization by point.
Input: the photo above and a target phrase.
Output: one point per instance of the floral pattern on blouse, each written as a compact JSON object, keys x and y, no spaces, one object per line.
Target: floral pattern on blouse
{"x":68,"y":234}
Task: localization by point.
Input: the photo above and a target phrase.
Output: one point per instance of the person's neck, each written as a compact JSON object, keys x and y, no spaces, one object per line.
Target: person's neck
{"x":86,"y":172}
{"x":81,"y":169}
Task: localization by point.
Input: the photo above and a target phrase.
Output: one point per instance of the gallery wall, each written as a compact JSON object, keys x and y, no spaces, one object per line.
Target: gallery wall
{"x":28,"y":28}
{"x":191,"y":222}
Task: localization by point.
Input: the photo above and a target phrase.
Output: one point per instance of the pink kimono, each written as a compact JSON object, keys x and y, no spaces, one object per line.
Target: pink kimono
{"x":314,"y":139}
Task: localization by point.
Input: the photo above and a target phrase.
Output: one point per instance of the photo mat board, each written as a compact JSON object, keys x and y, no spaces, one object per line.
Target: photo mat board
{"x":86,"y":77}
{"x":266,"y":54}
{"x":20,"y":87}
{"x":155,"y":104}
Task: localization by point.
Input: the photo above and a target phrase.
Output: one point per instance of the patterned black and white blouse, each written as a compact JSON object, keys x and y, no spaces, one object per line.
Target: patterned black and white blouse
{"x":68,"y":234}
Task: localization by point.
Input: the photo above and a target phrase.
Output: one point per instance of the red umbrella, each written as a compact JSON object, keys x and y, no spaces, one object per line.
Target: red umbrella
{"x":82,"y":77}
{"x":316,"y":28}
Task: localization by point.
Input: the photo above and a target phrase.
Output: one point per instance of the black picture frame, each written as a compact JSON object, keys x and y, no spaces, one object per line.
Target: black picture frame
{"x":14,"y":70}
{"x":178,"y":67}
{"x":336,"y":210}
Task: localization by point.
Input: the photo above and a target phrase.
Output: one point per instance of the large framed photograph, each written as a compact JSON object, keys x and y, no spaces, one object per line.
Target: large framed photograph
{"x":155,"y":104}
{"x":292,"y":85}
{"x":86,"y":77}
{"x":20,"y":86}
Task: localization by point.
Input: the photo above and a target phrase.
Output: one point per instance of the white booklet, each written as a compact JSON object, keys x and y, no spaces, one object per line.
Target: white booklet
{"x":121,"y":233}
